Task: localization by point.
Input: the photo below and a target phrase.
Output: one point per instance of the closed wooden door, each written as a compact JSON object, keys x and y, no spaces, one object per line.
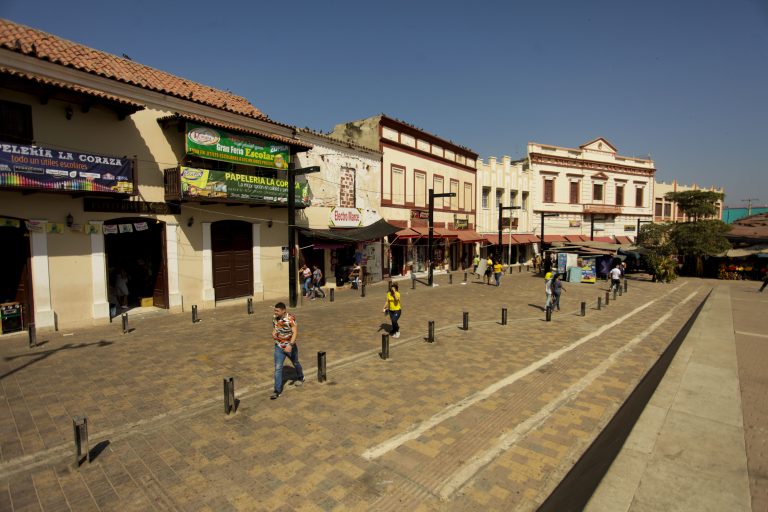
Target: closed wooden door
{"x":232,"y":248}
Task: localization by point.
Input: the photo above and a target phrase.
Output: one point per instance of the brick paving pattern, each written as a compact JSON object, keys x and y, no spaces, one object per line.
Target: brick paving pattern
{"x":503,"y":428}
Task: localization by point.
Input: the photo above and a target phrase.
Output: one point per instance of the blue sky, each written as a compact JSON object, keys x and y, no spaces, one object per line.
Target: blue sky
{"x":685,"y":82}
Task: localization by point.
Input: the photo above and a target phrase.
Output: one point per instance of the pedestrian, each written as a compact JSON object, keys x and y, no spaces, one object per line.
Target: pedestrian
{"x":284,"y":333}
{"x":488,"y":270}
{"x":557,"y":288}
{"x":765,"y":283}
{"x":475,"y":263}
{"x":355,"y":275}
{"x":317,"y":281}
{"x":536,"y":263}
{"x":548,"y":292}
{"x":615,"y":278}
{"x":497,"y":271}
{"x":121,"y":288}
{"x":306,"y":279}
{"x":394,"y":309}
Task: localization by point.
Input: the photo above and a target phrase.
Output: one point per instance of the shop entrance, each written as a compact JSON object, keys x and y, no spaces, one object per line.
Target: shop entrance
{"x":136,"y":253}
{"x":15,"y":278}
{"x":232,"y":248}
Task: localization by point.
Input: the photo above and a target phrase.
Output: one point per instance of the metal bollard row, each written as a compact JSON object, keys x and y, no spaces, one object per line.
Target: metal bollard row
{"x":229,"y":395}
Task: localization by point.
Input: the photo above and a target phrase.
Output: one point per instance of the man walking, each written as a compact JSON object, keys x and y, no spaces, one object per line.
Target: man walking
{"x":475,"y":263}
{"x":284,"y":333}
{"x":317,"y":280}
{"x":557,"y":288}
{"x":615,"y":278}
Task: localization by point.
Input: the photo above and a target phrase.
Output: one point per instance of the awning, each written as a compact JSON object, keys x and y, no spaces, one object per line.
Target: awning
{"x":526,"y":238}
{"x":375,"y":231}
{"x":605,"y":239}
{"x":506,"y":239}
{"x":436,"y":232}
{"x":573,"y":238}
{"x":469,"y":236}
{"x":554,"y":238}
{"x":623,"y":240}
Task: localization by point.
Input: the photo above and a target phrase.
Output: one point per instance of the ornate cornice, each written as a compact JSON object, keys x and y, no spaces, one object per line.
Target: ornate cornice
{"x":571,"y":163}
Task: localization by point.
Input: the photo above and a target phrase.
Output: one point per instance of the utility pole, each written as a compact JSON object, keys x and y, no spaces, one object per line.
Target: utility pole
{"x":430,"y":255}
{"x":500,"y":247}
{"x":749,"y":204}
{"x":292,"y":173}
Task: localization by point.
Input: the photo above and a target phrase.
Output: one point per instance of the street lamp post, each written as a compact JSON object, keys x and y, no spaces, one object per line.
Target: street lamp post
{"x":431,"y":256}
{"x":542,"y":230}
{"x":501,"y":209}
{"x":292,"y":173}
{"x":638,"y":227}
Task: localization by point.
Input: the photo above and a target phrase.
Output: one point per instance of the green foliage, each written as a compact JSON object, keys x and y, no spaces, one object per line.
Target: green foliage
{"x":656,"y":239}
{"x":701,"y":238}
{"x":696,"y":204}
{"x":662,"y":268}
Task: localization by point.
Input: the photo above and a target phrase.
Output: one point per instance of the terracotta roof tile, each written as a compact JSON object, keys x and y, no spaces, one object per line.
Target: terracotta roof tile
{"x":36,"y":43}
{"x":70,"y":87}
{"x":235,"y":128}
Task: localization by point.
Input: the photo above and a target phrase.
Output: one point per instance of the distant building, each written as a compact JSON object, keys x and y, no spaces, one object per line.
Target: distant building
{"x":668,"y":211}
{"x":731,"y":215}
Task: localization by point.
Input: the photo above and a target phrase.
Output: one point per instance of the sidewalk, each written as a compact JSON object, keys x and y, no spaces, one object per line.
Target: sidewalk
{"x":489,"y":419}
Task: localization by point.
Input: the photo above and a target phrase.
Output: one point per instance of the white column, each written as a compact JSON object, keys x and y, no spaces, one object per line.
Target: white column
{"x":172,"y":263}
{"x":258,"y":284}
{"x":100,"y":308}
{"x":208,"y":292}
{"x":41,"y":280}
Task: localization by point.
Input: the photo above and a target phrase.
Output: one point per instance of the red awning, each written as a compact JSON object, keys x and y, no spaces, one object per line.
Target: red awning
{"x":573,"y":238}
{"x":605,"y":239}
{"x":526,"y":238}
{"x":554,"y":238}
{"x":407,"y":233}
{"x":421,"y":232}
{"x":623,"y":240}
{"x":469,"y":236}
{"x":506,"y":239}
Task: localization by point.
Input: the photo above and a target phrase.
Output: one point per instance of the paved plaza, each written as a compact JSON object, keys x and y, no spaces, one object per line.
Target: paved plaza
{"x":487,"y":419}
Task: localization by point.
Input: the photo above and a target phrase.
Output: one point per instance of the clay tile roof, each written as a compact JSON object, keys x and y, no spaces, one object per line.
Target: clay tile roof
{"x":41,"y":45}
{"x":234,"y":128}
{"x":70,"y":87}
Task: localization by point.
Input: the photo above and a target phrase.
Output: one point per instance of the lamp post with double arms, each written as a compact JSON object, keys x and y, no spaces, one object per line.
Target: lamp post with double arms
{"x":637,"y":236}
{"x":292,"y":173}
{"x":431,"y":256}
{"x":542,"y":229}
{"x":500,"y":246}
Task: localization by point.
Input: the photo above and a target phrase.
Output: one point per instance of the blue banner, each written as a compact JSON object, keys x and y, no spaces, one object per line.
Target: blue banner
{"x":35,"y":167}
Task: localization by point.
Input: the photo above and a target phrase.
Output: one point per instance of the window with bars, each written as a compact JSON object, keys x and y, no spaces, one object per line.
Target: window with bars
{"x":549,"y":191}
{"x":639,"y":197}
{"x":486,"y":197}
{"x":619,"y":195}
{"x":658,"y":210}
{"x":597,"y":192}
{"x":574,"y":192}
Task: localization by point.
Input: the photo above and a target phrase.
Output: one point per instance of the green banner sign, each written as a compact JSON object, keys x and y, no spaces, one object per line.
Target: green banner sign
{"x":223,"y":185}
{"x":215,"y":144}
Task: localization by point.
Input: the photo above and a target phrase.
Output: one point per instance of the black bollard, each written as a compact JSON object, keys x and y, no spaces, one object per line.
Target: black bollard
{"x":527,"y":268}
{"x":583,"y":309}
{"x":431,"y":331}
{"x":503,"y":316}
{"x":620,"y":291}
{"x":32,"y":335}
{"x":519,"y":269}
{"x":465,"y":320}
{"x":465,"y":277}
{"x":384,"y":346}
{"x":332,"y":290}
{"x":321,"y":375}
{"x":614,"y":294}
{"x":607,"y":298}
{"x":195,"y":318}
{"x":362,"y":290}
{"x":250,"y":306}
{"x":625,"y":286}
{"x":549,"y":313}
{"x":125,"y":323}
{"x":450,"y":278}
{"x":599,"y":303}
{"x":82,"y":451}
{"x":229,"y":395}
{"x":413,"y":281}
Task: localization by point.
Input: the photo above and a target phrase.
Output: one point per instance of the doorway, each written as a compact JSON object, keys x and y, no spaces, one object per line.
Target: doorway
{"x":137,"y":246}
{"x":16,"y":276}
{"x":232,"y":250}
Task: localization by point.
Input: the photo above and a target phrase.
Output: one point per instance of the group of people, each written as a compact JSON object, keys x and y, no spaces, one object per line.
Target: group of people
{"x":553,"y":287}
{"x":493,"y":267}
{"x":311,"y":282}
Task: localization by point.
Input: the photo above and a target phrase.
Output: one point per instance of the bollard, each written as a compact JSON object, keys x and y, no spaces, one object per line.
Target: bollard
{"x":519,"y":269}
{"x":332,"y":290}
{"x":80,"y":428}
{"x":583,"y":309}
{"x":465,"y":277}
{"x":527,"y":268}
{"x":384,"y":346}
{"x":620,"y":291}
{"x":321,"y":375}
{"x":607,"y":298}
{"x":465,"y":320}
{"x":450,"y":278}
{"x":195,"y":319}
{"x":431,"y":331}
{"x":125,"y":323}
{"x":503,"y":316}
{"x":250,"y":306}
{"x":599,"y":303}
{"x":362,"y":290}
{"x":229,"y":395}
{"x":32,"y":335}
{"x":614,"y":294}
{"x":625,"y":286}
{"x":549,"y":313}
{"x":413,"y":281}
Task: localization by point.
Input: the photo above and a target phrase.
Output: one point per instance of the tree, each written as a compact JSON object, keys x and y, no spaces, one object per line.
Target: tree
{"x":696,"y":204}
{"x":695,"y":240}
{"x":656,"y":239}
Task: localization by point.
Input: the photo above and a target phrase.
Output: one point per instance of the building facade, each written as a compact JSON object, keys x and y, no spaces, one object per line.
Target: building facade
{"x":113,"y":171}
{"x":413,"y":162}
{"x":590,"y":191}
{"x":668,"y":211}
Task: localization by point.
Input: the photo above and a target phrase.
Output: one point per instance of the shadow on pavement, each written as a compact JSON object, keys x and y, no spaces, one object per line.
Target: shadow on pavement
{"x":40,"y":356}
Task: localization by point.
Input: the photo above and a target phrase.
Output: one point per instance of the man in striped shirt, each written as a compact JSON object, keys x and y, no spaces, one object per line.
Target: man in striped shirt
{"x":284,"y":332}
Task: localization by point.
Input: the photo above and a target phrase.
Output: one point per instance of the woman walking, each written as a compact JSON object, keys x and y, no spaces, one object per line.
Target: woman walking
{"x":393,"y":307}
{"x":497,"y":271}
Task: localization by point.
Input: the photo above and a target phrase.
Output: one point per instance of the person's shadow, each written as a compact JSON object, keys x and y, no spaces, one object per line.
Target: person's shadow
{"x":387,"y":328}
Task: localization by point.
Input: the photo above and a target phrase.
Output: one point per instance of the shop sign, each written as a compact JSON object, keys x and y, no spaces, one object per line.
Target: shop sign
{"x":461,"y":224}
{"x":629,"y":227}
{"x":209,"y":184}
{"x":419,"y":214}
{"x":509,"y":222}
{"x":574,"y":223}
{"x":345,"y":217}
{"x":215,"y":144}
{"x":36,"y":167}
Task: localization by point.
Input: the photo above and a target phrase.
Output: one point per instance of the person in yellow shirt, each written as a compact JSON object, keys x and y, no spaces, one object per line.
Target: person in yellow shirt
{"x":488,"y":270}
{"x":394,"y":308}
{"x":497,"y":270}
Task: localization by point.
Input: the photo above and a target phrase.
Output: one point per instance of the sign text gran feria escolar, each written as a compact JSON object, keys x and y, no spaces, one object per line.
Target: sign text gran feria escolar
{"x":220,"y":145}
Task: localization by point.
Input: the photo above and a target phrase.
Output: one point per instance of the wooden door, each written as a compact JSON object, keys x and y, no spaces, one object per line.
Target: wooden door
{"x":160,"y":290}
{"x":232,"y":248}
{"x":16,"y":277}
